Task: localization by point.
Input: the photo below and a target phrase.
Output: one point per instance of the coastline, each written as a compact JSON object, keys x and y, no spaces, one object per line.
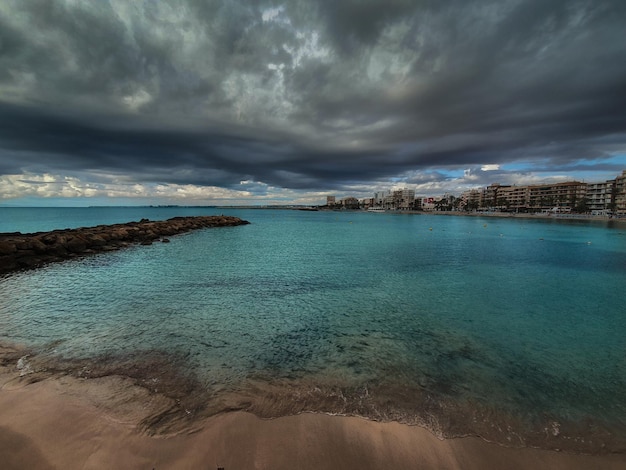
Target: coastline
{"x":501,"y":215}
{"x":512,"y":215}
{"x":54,"y":419}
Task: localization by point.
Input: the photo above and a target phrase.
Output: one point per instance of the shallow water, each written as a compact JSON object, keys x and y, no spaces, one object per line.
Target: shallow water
{"x":507,"y":328}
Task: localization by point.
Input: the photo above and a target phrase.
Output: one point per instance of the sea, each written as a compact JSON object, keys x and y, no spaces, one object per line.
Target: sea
{"x":506,"y":328}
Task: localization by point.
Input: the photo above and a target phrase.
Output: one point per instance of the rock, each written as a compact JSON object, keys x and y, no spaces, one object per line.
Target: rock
{"x":7,"y":248}
{"x":28,"y":262}
{"x":76,"y":245}
{"x":8,"y":263}
{"x":27,"y":251}
{"x":50,"y":239}
{"x":37,"y":245}
{"x":96,"y":240}
{"x":58,"y":250}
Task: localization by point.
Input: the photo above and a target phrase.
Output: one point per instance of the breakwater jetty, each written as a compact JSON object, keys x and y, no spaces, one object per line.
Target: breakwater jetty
{"x":27,"y":251}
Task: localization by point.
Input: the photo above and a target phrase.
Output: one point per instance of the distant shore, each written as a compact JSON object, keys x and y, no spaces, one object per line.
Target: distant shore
{"x":504,"y":215}
{"x":59,"y":420}
{"x":514,"y":215}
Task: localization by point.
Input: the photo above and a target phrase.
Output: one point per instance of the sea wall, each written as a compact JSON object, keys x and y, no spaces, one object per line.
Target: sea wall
{"x":27,"y":251}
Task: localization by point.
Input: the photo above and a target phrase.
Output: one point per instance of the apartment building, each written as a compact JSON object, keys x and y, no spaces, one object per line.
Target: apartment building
{"x":350,"y":203}
{"x":387,"y":202}
{"x":619,"y":192}
{"x":555,"y":197}
{"x":404,"y":199}
{"x":494,"y":196}
{"x":401,"y":199}
{"x":561,"y":197}
{"x":379,"y":198}
{"x":600,"y":197}
{"x":471,"y":200}
{"x":367,"y":203}
{"x":515,"y":197}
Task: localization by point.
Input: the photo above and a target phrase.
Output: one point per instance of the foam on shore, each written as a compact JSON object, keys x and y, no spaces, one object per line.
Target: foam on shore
{"x":157,"y":395}
{"x":64,"y":421}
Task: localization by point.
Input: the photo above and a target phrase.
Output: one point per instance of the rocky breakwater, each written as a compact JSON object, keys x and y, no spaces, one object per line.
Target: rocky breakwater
{"x":27,"y":251}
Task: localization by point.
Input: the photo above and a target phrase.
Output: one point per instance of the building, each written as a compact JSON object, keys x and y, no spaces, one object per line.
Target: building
{"x":600,"y":197}
{"x":494,"y":196}
{"x":428,"y":204}
{"x":367,"y":203}
{"x":330,"y":200}
{"x":350,"y":203}
{"x":557,"y":197}
{"x":553,"y":197}
{"x":404,"y":199}
{"x":619,"y":194}
{"x":517,"y":198}
{"x":388,"y":202}
{"x":470,"y":200}
{"x":604,"y":198}
{"x":401,"y":199}
{"x":379,"y":198}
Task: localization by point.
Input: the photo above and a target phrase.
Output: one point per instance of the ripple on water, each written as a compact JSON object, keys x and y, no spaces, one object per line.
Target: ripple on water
{"x":458,"y":329}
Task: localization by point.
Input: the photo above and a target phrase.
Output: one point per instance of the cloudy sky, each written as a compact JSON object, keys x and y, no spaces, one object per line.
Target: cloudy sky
{"x":265,"y":102}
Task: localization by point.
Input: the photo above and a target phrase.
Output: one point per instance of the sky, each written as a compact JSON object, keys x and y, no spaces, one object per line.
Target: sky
{"x":269,"y":102}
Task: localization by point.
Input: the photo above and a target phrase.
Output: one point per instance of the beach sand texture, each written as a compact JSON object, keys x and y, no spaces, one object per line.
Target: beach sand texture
{"x":63,"y":422}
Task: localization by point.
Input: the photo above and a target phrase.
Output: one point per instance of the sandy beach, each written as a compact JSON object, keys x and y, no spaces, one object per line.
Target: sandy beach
{"x":56,"y":421}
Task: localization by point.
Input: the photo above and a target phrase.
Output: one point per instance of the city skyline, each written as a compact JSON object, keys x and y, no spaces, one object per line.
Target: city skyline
{"x":607,"y":197}
{"x":261,"y":103}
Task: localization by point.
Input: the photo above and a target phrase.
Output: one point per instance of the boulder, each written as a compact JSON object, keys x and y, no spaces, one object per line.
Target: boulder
{"x":37,"y":245}
{"x":96,"y":240}
{"x":7,"y":248}
{"x":8,"y":263}
{"x":76,"y":245}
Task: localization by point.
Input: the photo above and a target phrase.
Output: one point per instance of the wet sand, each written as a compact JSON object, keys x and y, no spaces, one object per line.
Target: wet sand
{"x":58,"y":421}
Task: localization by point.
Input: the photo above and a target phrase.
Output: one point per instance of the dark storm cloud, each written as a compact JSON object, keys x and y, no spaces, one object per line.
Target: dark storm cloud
{"x":37,"y":141}
{"x":307,"y":95}
{"x":352,"y":24}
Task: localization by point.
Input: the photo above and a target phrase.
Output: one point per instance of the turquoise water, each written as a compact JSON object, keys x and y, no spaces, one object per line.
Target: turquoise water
{"x":410,"y":317}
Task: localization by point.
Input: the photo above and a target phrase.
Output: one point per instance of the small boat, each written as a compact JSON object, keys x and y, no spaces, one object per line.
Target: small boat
{"x":375,"y":209}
